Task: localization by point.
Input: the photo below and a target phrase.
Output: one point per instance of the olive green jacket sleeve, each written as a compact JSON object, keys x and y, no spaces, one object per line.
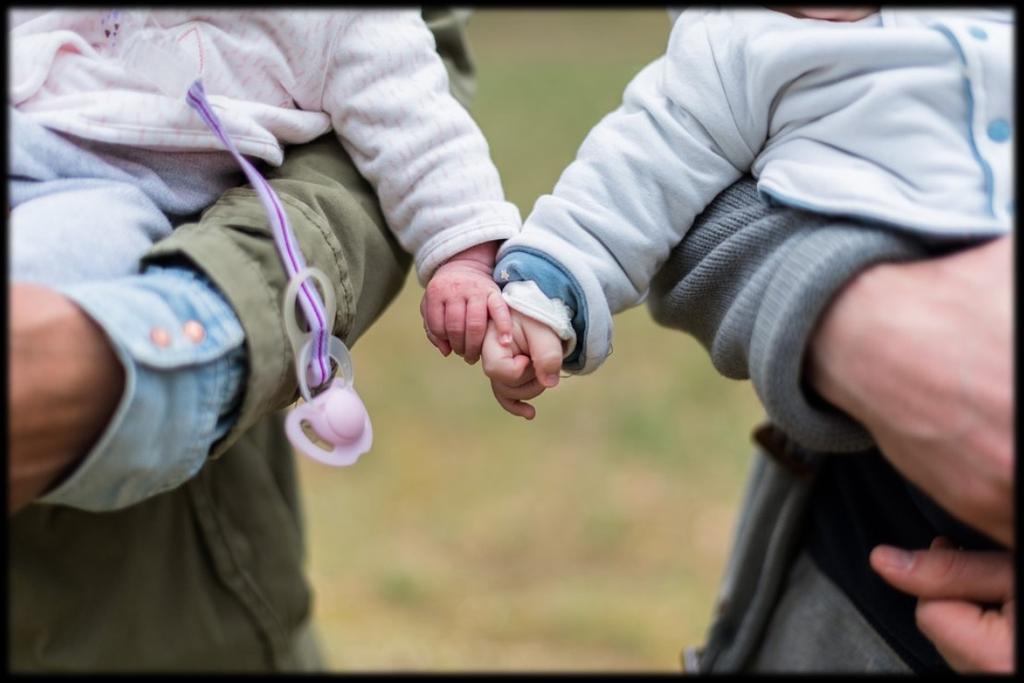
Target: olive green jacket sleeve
{"x":337,"y":221}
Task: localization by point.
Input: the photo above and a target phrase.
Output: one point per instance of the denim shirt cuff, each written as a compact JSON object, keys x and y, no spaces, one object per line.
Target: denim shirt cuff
{"x":183,"y":353}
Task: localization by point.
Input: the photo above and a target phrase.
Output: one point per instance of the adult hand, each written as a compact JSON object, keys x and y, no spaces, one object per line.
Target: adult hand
{"x":949,"y":584}
{"x":920,"y":353}
{"x":65,"y":384}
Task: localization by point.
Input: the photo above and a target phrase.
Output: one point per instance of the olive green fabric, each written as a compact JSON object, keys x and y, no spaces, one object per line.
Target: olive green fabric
{"x":210,"y":576}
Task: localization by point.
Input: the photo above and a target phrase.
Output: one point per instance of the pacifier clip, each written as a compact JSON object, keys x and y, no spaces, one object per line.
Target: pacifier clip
{"x":332,"y":426}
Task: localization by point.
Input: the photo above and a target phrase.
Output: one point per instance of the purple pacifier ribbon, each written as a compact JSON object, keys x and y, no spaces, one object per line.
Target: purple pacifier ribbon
{"x":309,"y":299}
{"x":337,"y":415}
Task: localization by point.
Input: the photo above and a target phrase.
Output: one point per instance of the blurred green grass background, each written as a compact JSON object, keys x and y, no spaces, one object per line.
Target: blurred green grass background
{"x":592,"y":538}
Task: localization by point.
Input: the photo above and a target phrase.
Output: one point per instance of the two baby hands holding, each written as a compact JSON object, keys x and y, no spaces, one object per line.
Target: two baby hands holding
{"x":464,"y":311}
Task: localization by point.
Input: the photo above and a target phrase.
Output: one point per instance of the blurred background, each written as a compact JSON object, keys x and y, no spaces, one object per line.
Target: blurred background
{"x":593,"y":537}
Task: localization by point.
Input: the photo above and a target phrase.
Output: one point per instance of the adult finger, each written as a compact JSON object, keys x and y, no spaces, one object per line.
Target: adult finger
{"x":501,"y":316}
{"x":969,"y":638}
{"x":476,"y":325}
{"x":545,"y":351}
{"x":946,"y":573}
{"x":432,"y":310}
{"x":455,"y":324}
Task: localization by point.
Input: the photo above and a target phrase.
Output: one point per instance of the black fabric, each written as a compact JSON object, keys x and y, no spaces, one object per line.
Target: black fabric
{"x":858,"y":502}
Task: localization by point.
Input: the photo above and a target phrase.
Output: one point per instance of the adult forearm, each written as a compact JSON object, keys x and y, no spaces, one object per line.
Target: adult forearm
{"x":750,"y":281}
{"x":921,"y":354}
{"x":853,"y":337}
{"x":65,"y":384}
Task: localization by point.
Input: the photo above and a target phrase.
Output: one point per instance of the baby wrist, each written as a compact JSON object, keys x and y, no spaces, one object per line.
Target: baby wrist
{"x":482,"y":253}
{"x":527,"y":298}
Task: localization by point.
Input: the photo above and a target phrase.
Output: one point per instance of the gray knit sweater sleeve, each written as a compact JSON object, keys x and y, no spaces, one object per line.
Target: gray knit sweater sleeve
{"x":750,"y":281}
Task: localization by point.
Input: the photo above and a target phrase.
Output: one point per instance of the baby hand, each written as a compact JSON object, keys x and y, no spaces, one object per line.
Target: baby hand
{"x":457,"y":302}
{"x":523,"y":369}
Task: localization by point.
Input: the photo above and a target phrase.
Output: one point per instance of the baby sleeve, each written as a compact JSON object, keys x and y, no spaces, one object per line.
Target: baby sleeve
{"x":386,"y":90}
{"x":640,"y":178}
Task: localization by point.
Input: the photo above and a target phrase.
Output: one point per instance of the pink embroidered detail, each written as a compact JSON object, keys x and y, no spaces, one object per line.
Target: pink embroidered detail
{"x":199,"y":44}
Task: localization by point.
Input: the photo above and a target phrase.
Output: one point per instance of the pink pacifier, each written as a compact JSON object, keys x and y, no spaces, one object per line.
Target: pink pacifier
{"x":333,"y":427}
{"x":340,"y":423}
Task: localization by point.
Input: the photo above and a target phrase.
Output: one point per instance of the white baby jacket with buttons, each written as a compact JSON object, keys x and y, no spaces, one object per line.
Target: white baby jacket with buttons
{"x":904,"y":119}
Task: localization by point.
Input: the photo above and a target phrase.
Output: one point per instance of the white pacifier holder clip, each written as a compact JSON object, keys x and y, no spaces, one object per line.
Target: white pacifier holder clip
{"x":337,"y":418}
{"x":332,"y":424}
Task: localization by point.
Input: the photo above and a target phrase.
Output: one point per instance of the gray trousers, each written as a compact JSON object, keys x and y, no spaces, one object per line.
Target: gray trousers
{"x":749,"y":282}
{"x":777,"y":612}
{"x":815,"y":627}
